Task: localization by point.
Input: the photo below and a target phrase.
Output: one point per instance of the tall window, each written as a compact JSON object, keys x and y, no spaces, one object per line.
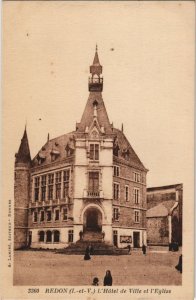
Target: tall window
{"x":94,"y":151}
{"x":41,"y":236}
{"x":93,"y":181}
{"x":42,"y":216}
{"x":116,"y":191}
{"x":66,"y":177}
{"x":58,"y":185}
{"x":136,"y":177}
{"x":136,"y":195}
{"x":35,"y":217}
{"x":116,"y":214}
{"x":36,"y":189}
{"x":137,"y":216}
{"x":48,"y":236}
{"x":70,"y":236}
{"x":57,"y":214}
{"x":50,"y":186}
{"x":48,"y":216}
{"x":116,"y":171}
{"x":64,"y":214}
{"x":43,"y":188}
{"x":56,"y":236}
{"x":126,"y":193}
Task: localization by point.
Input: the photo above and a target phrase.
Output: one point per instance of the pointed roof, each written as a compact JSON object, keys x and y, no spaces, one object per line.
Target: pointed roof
{"x":96,"y":67}
{"x":96,"y":58}
{"x":88,"y":114}
{"x":23,"y":155}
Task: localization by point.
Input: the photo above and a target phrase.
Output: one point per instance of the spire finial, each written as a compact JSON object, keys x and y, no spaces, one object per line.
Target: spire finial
{"x":48,"y":137}
{"x":96,"y":49}
{"x":122,"y":128}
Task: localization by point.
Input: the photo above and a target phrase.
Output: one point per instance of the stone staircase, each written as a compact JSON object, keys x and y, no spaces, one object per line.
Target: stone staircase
{"x":100,"y":248}
{"x":96,"y":240}
{"x":91,"y":236}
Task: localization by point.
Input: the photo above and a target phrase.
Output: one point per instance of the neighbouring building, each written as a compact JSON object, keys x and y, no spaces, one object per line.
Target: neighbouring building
{"x":86,"y":183}
{"x":164,"y":214}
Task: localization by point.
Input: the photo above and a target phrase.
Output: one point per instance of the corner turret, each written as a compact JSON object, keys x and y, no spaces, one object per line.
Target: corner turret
{"x":22,"y":193}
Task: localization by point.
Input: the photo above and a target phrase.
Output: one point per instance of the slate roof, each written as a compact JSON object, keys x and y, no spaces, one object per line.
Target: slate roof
{"x":126,"y":151}
{"x":102,"y":116}
{"x":58,"y":146}
{"x":23,"y":155}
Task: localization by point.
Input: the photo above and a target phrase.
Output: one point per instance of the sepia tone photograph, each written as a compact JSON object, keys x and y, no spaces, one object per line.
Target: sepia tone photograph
{"x":98,"y":139}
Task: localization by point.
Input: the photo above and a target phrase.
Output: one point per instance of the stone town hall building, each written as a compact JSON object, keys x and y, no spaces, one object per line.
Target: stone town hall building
{"x":83,"y":184}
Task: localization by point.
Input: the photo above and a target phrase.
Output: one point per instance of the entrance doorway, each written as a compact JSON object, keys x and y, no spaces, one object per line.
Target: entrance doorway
{"x":136,"y":239}
{"x":92,"y":220}
{"x":115,"y":238}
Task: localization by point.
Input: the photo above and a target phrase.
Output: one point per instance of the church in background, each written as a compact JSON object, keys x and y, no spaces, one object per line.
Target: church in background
{"x":86,"y":185}
{"x":164,"y":215}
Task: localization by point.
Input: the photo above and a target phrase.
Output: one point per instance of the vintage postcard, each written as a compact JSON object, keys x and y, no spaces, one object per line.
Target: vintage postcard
{"x":98,"y":150}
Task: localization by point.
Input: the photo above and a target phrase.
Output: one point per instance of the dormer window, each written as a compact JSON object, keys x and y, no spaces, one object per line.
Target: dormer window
{"x":94,"y":151}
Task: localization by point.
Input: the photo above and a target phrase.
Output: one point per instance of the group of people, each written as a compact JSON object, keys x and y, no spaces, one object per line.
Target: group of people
{"x":107,"y":281}
{"x":143,"y":249}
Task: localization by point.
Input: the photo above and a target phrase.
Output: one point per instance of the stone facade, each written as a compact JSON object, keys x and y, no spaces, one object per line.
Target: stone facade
{"x":89,"y":180}
{"x":164,"y":215}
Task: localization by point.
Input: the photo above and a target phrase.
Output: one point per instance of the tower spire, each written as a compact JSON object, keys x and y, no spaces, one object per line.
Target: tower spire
{"x":96,"y":81}
{"x":23,"y":155}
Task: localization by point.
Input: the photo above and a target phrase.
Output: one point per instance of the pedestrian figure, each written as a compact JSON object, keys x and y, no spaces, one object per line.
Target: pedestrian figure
{"x":103,"y":236}
{"x":129,"y":249}
{"x":179,"y":265}
{"x":107,"y":278}
{"x":81,"y":235}
{"x":87,"y":254}
{"x":95,"y":281}
{"x":144,"y":249}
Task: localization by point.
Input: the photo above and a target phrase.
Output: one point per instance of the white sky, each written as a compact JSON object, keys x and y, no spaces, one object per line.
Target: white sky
{"x":148,"y":78}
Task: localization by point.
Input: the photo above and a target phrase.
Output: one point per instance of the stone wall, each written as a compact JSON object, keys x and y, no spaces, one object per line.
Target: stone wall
{"x":157,"y":232}
{"x":21,"y":200}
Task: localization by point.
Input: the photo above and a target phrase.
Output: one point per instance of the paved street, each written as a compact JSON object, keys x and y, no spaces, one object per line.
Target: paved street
{"x":49,"y":268}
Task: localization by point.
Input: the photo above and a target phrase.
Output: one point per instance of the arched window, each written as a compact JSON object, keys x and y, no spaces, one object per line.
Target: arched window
{"x":56,"y":236}
{"x":95,"y":78}
{"x":48,"y":237}
{"x":41,"y":236}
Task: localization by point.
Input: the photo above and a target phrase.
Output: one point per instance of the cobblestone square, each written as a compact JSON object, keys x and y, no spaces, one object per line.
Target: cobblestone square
{"x":35,"y":268}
